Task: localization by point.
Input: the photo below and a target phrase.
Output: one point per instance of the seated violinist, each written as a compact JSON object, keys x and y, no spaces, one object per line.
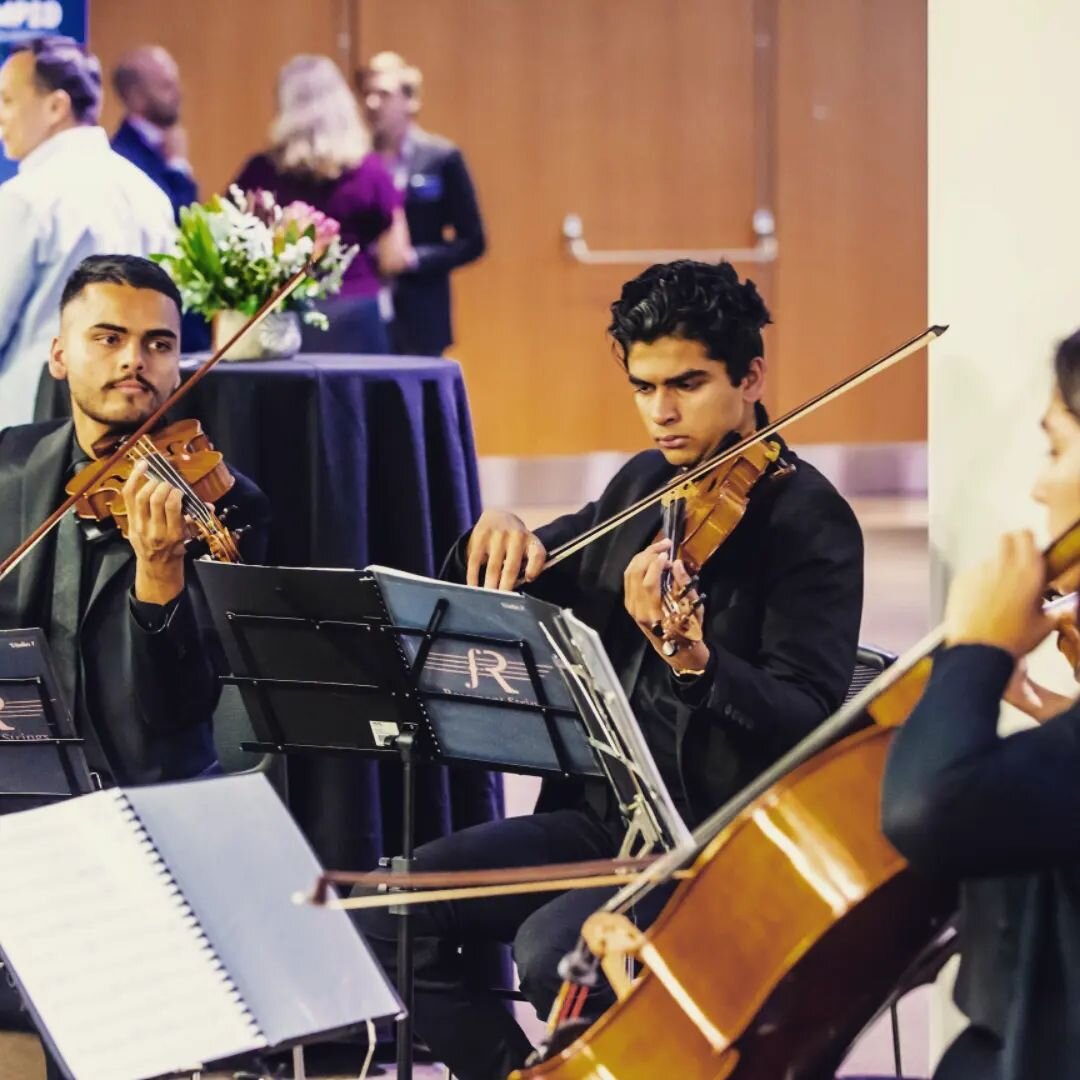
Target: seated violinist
{"x":1002,"y":814}
{"x":779,"y":619}
{"x":129,"y":631}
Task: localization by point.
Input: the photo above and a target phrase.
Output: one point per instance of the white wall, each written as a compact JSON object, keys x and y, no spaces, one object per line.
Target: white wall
{"x":1004,"y":253}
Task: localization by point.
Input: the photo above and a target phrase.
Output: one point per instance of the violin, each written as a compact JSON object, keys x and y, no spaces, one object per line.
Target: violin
{"x":181,"y":455}
{"x":216,"y":536}
{"x":698,"y":517}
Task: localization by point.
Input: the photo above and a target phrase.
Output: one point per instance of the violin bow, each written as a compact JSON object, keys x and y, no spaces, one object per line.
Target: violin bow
{"x":50,"y":523}
{"x":572,"y":547}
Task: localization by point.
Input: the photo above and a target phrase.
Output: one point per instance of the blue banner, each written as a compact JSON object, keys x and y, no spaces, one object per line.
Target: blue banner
{"x":21,"y":20}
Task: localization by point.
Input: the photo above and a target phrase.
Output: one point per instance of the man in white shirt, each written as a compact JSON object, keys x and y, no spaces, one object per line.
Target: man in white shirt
{"x":73,"y":197}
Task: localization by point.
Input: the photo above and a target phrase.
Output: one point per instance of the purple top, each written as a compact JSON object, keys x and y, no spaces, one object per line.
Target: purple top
{"x":362,"y":200}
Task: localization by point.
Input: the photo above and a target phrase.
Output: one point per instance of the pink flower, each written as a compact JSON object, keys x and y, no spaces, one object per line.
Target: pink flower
{"x":305,"y":217}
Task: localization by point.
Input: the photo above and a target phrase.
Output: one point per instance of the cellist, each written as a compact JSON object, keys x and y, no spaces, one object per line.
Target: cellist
{"x":1002,"y":814}
{"x":770,"y":656}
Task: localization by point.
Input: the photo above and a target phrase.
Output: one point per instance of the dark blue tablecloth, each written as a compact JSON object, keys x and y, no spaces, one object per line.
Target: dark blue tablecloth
{"x":365,"y":459}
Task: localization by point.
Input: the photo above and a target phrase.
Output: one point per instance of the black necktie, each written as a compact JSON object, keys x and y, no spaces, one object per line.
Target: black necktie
{"x":63,"y":630}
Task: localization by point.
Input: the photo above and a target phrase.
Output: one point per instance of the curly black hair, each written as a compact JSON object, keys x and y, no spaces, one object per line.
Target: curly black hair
{"x":696,"y":301}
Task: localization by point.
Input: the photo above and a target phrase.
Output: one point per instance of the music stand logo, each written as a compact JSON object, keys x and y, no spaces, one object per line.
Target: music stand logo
{"x":16,"y":713}
{"x":478,"y":668}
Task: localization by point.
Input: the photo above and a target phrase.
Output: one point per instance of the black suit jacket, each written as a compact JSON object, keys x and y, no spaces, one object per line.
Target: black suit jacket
{"x":439,"y":194}
{"x":783,"y":606}
{"x":152,"y":694}
{"x":1003,"y":816}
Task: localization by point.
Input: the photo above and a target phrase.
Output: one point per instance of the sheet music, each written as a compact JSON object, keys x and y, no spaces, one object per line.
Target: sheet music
{"x":107,"y":948}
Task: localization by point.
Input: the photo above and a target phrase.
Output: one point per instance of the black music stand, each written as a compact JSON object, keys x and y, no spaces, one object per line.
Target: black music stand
{"x":387,"y":664}
{"x":41,"y":757}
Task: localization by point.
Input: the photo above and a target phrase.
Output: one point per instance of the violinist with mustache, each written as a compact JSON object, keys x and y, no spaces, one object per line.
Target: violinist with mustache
{"x":780,"y":606}
{"x":130,"y":634}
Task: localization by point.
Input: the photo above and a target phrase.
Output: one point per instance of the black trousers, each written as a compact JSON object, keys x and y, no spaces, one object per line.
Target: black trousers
{"x":465,"y":1026}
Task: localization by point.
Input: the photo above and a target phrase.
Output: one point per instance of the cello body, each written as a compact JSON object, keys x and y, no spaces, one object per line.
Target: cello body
{"x":798,"y":920}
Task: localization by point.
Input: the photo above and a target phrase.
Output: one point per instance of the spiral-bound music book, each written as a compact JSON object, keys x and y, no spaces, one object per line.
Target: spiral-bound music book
{"x":154,"y":930}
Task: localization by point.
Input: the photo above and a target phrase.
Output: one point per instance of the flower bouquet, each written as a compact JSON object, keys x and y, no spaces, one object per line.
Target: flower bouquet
{"x":232,"y":253}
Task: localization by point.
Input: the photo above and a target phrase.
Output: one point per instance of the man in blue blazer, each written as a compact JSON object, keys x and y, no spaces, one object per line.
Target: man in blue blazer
{"x":147,"y":81}
{"x":151,"y":137}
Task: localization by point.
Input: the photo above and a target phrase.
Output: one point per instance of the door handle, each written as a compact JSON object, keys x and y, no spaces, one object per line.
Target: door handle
{"x":764,"y":251}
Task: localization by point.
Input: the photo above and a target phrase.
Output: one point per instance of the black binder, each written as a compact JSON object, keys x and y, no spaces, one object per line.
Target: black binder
{"x":154,"y":930}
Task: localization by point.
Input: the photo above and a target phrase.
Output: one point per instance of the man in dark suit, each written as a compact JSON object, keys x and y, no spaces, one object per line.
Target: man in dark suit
{"x":132,"y":639}
{"x":151,"y":137}
{"x":768,"y":658}
{"x":147,"y":81}
{"x":440,"y":204}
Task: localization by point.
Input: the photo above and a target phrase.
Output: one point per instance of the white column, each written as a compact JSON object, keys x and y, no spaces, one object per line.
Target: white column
{"x":1004,"y":269}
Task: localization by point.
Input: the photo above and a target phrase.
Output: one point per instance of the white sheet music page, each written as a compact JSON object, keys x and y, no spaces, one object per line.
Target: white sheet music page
{"x":106,"y":947}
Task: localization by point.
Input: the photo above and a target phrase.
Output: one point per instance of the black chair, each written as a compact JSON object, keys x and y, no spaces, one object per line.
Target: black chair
{"x":232,"y":728}
{"x":870,"y":662}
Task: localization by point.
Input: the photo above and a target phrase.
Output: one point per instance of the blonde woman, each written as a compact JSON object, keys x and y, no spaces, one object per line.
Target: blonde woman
{"x":321,"y":154}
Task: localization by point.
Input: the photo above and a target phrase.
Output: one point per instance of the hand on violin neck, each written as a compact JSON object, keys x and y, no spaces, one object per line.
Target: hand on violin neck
{"x":999,"y":601}
{"x":669,"y":618}
{"x":502,"y":552}
{"x":157,"y":531}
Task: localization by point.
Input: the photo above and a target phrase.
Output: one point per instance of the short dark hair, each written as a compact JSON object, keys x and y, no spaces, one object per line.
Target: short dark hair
{"x":131,"y":270}
{"x":697,"y":301}
{"x":61,"y":63}
{"x":1067,"y":372}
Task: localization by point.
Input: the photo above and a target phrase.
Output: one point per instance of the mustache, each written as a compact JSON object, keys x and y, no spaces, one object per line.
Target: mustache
{"x":144,"y":383}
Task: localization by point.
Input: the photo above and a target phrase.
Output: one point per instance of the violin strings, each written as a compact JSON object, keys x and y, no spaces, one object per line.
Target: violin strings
{"x":154,"y":464}
{"x":164,"y":470}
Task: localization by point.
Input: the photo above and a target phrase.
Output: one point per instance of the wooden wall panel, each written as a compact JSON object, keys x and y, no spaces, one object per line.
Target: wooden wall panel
{"x":852,"y":212}
{"x":634,"y":114}
{"x":637,"y":114}
{"x":229,"y":55}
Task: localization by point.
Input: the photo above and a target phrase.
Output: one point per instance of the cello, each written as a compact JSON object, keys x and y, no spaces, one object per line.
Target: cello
{"x":796,"y":921}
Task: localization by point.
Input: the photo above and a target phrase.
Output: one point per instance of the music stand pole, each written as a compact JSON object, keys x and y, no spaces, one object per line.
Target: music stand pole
{"x":403,"y":863}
